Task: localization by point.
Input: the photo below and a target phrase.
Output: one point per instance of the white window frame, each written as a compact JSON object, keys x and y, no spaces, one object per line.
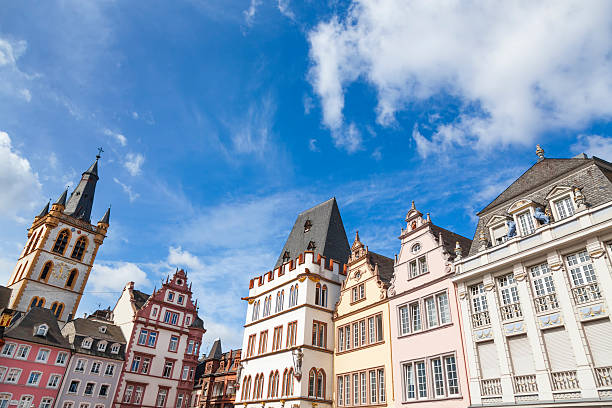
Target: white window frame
{"x":27,"y":352}
{"x":37,"y":382}
{"x":50,"y":381}
{"x":42,"y":350}
{"x":11,"y":370}
{"x":7,"y":351}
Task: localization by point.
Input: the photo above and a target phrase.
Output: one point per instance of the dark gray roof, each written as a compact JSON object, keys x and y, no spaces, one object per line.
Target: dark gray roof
{"x":106,"y":218}
{"x":215,"y":351}
{"x":385,"y":266}
{"x":62,"y":198}
{"x":450,"y":239}
{"x":78,"y":329}
{"x":326,"y":232}
{"x":593,"y":176}
{"x":5,"y":296}
{"x":22,"y":328}
{"x":81,"y":200}
{"x":44,"y":211}
{"x":197,"y":322}
{"x":139,"y":298}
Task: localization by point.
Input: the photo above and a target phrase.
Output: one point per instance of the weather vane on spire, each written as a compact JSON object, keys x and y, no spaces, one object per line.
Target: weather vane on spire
{"x":100,"y":151}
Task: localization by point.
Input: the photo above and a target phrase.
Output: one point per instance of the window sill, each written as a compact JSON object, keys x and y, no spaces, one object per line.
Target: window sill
{"x":418,"y":276}
{"x":421,"y":400}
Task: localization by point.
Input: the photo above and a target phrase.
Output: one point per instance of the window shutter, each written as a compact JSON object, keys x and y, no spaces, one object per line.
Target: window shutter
{"x":599,"y":337}
{"x":559,"y":349}
{"x":489,"y":364}
{"x":521,"y":355}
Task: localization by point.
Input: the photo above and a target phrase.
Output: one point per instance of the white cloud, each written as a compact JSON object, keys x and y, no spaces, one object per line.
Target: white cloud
{"x":127,"y":190}
{"x":377,"y":154}
{"x":249,"y":14}
{"x":348,"y":138}
{"x":121,"y":139}
{"x":21,"y":189}
{"x":112,"y":277}
{"x":594,"y":145}
{"x":284,"y":8}
{"x":14,"y":81}
{"x":133,"y":163}
{"x":26,"y":95}
{"x":312,"y":145}
{"x":252,"y":134}
{"x":308,"y":104}
{"x":182,"y":258}
{"x":135,"y":115}
{"x":516,"y":68}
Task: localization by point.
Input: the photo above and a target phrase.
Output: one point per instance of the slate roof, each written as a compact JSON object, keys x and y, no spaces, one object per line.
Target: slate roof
{"x":450,"y":239}
{"x":215,"y":351}
{"x":22,"y":328}
{"x":78,"y":329}
{"x":139,"y":298}
{"x":81,"y":200}
{"x":592,"y":175}
{"x":327,"y":233}
{"x":197,"y":322}
{"x":5,"y":296}
{"x":385,"y":266}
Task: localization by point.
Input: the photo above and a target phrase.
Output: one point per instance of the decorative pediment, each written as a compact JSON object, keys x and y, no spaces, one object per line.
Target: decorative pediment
{"x":413,"y":213}
{"x":520,"y":205}
{"x":497,"y":219}
{"x":557,"y":191}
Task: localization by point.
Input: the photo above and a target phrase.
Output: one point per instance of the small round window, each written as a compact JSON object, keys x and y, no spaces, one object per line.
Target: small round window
{"x":416,"y":248}
{"x":179,"y":282}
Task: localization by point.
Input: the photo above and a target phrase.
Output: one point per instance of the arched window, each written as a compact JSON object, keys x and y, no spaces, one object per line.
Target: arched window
{"x":289,"y":385}
{"x":280,"y":299}
{"x":36,"y":240}
{"x":311,"y":382}
{"x":293,"y":295}
{"x":324,"y":296}
{"x":37,"y":302}
{"x":61,"y":242}
{"x":318,"y":294}
{"x":275,"y":377}
{"x":255,"y":311}
{"x":246,"y":388}
{"x":57,"y":308}
{"x":44,"y":275}
{"x":321,"y":383}
{"x":79,"y":248}
{"x":72,"y":278}
{"x":24,"y":270}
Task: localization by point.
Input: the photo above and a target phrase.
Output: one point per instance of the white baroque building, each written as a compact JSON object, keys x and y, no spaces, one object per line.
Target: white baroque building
{"x":287,"y":352}
{"x":536,"y":287}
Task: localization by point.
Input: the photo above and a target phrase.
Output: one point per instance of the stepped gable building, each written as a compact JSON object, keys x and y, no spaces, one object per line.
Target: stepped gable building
{"x":535,"y":288}
{"x":428,"y":358}
{"x":94,"y":369}
{"x":288,"y":342}
{"x":362,"y":355}
{"x":33,"y":359}
{"x":164,"y":334}
{"x":216,"y":378}
{"x":54,"y":266}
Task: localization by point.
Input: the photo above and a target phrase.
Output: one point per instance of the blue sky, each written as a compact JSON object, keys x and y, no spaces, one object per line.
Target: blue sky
{"x":221,"y":120}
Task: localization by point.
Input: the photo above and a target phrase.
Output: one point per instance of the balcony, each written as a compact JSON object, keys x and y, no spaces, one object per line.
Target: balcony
{"x":481,"y":319}
{"x":546,"y":303}
{"x":586,"y":293}
{"x":564,"y":380}
{"x":511,"y":311}
{"x":525,"y":384}
{"x":603,"y":375}
{"x":491,"y":387}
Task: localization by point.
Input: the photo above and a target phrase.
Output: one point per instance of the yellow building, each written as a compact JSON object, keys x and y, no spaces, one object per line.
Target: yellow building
{"x":362,"y":354}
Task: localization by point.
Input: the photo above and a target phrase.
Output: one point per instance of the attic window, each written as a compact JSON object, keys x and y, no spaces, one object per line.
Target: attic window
{"x":286,"y":256}
{"x":86,"y":343}
{"x":307,"y":225}
{"x":102,"y":329}
{"x":311,"y":246}
{"x":115,"y":349}
{"x":42,"y":330}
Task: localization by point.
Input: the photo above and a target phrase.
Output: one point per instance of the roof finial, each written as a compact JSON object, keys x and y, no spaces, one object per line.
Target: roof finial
{"x":100,"y":151}
{"x":540,"y":152}
{"x":357,"y":236}
{"x":413,"y":206}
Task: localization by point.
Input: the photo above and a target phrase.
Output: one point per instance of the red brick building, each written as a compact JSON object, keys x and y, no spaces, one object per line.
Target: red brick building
{"x":215,"y":385}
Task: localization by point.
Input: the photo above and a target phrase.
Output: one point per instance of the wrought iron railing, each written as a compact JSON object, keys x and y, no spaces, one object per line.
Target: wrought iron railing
{"x":524,"y":384}
{"x":586,"y":293}
{"x":480,"y":319}
{"x":546,"y":303}
{"x":490,"y":387}
{"x":564,"y":380}
{"x":603,"y":376}
{"x":511,"y":311}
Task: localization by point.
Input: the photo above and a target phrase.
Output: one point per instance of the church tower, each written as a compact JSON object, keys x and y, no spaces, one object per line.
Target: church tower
{"x":53,"y":268}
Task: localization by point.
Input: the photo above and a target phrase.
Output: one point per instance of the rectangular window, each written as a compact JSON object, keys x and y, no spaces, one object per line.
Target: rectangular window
{"x":371,"y":330}
{"x":362,"y":291}
{"x":564,"y":207}
{"x":443,"y":308}
{"x":415,"y":316}
{"x":173,"y":343}
{"x":341,"y":339}
{"x":89,"y":388}
{"x":138,"y":395}
{"x":103,"y":392}
{"x":340,"y":390}
{"x":8,"y":350}
{"x":146,"y":363}
{"x":373,"y":387}
{"x":414,"y":272}
{"x":379,"y":327}
{"x":95,"y":367}
{"x":61,"y":358}
{"x":34,"y":378}
{"x":355,"y":389}
{"x":110,"y":369}
{"x":142,"y":337}
{"x":423,"y":266}
{"x":347,"y":333}
{"x":73,"y":388}
{"x":44,"y":403}
{"x":42,"y":356}
{"x":408,"y":378}
{"x":135,"y":364}
{"x":362,"y":329}
{"x":381,"y":385}
{"x":421,"y":379}
{"x":13,"y":376}
{"x":190,"y":347}
{"x":22,"y":352}
{"x":432,"y":313}
{"x":404,"y":320}
{"x":80,"y":366}
{"x":152,"y":339}
{"x":355,"y":335}
{"x":167,"y":372}
{"x":54,"y":381}
{"x":185,"y":373}
{"x":451,"y":375}
{"x":583,"y":278}
{"x":525,"y":221}
{"x":319,"y":334}
{"x":364,"y":388}
{"x":347,"y":389}
{"x":438,"y":377}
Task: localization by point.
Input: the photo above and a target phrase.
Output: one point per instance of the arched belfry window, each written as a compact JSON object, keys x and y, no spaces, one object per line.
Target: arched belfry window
{"x":44,"y":275}
{"x":57,"y":308}
{"x":61,"y":242}
{"x":79,"y":248}
{"x":72,"y":278}
{"x":37,"y":302}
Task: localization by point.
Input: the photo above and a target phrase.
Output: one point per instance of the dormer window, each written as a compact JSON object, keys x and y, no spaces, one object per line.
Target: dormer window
{"x":311,"y":246}
{"x":563,"y":200}
{"x":102,"y":346}
{"x":86,"y":344}
{"x":102,"y":329}
{"x":523,"y":212}
{"x":286,"y":256}
{"x":115,"y":348}
{"x":525,"y":222}
{"x":42,"y":330}
{"x":564,"y":207}
{"x":307,"y":225}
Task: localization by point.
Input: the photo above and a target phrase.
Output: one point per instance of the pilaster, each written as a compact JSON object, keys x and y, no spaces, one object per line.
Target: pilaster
{"x":472,"y":362}
{"x":597,"y":253}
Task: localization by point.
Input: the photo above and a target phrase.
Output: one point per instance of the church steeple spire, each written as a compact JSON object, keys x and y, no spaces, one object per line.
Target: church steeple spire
{"x":81,"y":200}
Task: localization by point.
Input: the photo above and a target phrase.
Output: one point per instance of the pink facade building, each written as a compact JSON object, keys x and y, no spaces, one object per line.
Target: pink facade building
{"x":428,"y":358}
{"x":164,"y":334}
{"x":33,"y":359}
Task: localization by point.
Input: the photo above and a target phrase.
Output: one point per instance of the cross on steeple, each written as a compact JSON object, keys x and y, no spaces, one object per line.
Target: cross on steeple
{"x":100,"y":151}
